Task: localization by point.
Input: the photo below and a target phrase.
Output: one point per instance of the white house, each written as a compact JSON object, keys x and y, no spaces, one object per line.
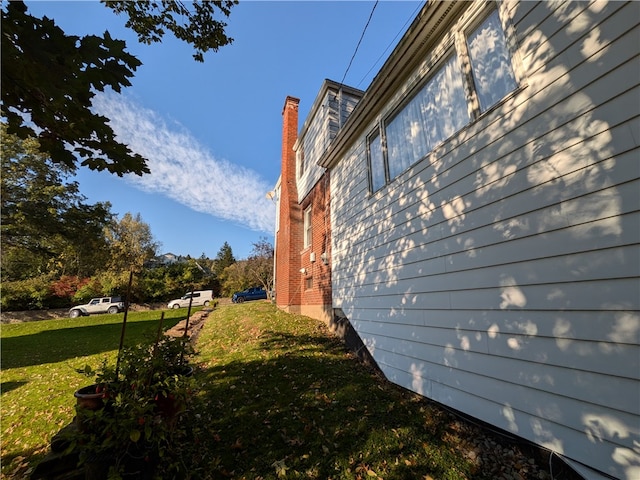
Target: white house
{"x":485,"y":221}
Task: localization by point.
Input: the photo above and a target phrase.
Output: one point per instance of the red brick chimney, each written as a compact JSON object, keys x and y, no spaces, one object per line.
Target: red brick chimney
{"x":289,"y":235}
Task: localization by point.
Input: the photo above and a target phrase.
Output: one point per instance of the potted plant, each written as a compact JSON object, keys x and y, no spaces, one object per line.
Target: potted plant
{"x":128,"y":429}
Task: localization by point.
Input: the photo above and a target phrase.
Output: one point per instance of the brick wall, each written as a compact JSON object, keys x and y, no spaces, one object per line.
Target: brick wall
{"x":289,"y":235}
{"x":316,"y":286}
{"x":308,"y":293}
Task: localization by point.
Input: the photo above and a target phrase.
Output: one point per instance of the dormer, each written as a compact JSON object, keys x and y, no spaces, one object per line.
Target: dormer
{"x":329,"y":112}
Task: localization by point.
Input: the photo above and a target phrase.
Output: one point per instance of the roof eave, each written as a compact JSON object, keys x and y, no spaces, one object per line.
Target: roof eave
{"x":411,"y":49}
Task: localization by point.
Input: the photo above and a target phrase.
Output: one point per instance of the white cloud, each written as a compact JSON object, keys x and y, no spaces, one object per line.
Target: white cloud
{"x":183,"y":170}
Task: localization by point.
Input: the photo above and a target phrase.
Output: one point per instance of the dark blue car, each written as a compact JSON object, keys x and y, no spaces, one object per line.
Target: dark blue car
{"x":255,"y":293}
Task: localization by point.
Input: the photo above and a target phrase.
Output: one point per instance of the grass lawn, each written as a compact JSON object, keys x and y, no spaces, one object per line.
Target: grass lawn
{"x":38,"y":375}
{"x":283,"y":399}
{"x":279,"y":397}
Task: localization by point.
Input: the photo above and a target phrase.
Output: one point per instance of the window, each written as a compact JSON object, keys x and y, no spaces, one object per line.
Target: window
{"x":376,"y":162}
{"x":446,"y":102}
{"x":490,"y":62}
{"x":436,"y":112}
{"x":307,"y":227}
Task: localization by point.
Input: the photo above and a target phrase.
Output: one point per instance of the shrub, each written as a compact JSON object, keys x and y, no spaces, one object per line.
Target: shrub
{"x":91,"y":289}
{"x":67,"y":286}
{"x":32,"y":294}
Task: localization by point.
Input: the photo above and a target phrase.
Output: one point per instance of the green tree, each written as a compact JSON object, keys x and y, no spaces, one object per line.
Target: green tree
{"x":45,"y":225}
{"x":131,"y":243}
{"x":234,"y":278}
{"x":260,"y":265}
{"x":223,"y":259}
{"x":48,"y":81}
{"x":192,"y":22}
{"x":49,"y":78}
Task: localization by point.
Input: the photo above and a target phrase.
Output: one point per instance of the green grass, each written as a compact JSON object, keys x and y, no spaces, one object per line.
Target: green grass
{"x":279,"y":398}
{"x":39,"y":375}
{"x":282,"y":398}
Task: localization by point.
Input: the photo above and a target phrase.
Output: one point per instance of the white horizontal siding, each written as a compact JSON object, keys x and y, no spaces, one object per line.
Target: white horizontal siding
{"x":500,"y":275}
{"x":545,"y":354}
{"x":596,"y":423}
{"x":442,"y":365}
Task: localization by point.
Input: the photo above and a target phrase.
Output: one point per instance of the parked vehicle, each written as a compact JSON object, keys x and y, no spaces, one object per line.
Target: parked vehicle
{"x":200,"y":297}
{"x":255,"y":293}
{"x":98,"y":305}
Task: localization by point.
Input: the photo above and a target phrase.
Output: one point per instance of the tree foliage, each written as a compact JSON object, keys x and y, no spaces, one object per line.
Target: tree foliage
{"x":224,"y":258}
{"x":131,"y":243}
{"x":49,"y":78}
{"x":234,"y":278}
{"x":260,"y":264}
{"x":257,"y":270}
{"x":46,"y":226}
{"x":192,"y":22}
{"x":48,"y":81}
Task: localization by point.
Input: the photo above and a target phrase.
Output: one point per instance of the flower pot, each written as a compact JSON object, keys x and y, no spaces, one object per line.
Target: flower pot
{"x":90,"y":397}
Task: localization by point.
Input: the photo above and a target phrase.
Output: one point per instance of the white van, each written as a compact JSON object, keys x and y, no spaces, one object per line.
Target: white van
{"x":200,"y":297}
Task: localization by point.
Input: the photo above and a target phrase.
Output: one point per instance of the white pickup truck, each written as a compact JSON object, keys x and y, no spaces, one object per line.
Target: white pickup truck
{"x":98,"y":305}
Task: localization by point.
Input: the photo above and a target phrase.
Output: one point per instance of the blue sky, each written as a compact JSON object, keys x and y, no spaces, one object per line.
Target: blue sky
{"x":212,"y":131}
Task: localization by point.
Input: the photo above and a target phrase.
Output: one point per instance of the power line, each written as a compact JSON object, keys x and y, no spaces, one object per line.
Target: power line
{"x":359,"y":41}
{"x":402,"y":29}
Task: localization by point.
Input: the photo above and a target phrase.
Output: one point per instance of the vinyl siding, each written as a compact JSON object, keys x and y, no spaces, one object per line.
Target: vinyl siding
{"x":331,"y":110}
{"x":499,"y":275}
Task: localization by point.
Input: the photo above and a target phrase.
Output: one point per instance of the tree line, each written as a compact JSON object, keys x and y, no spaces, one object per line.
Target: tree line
{"x":58,"y":250}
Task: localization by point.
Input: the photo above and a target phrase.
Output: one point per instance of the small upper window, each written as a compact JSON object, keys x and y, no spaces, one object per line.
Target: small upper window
{"x":307,"y":227}
{"x":490,"y":62}
{"x":377,"y":168}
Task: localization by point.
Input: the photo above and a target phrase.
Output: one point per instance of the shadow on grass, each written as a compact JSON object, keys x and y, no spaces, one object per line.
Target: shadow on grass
{"x":53,"y":346}
{"x":308,"y":407}
{"x":8,"y":386}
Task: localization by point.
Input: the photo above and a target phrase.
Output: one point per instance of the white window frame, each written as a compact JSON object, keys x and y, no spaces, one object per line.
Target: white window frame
{"x":453,"y":43}
{"x":307,"y":228}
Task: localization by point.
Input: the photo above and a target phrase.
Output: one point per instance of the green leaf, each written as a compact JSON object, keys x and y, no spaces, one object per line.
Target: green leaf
{"x":134,"y":435}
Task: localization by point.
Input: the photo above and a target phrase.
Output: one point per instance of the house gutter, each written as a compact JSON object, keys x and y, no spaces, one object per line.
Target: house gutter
{"x":434,"y":18}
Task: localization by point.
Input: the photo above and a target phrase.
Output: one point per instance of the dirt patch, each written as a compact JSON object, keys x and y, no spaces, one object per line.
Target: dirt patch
{"x":193,"y":327}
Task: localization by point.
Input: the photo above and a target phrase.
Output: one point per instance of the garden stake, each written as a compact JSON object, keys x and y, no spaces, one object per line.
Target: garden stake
{"x":186,"y":324}
{"x":155,"y":347}
{"x":124,"y":322}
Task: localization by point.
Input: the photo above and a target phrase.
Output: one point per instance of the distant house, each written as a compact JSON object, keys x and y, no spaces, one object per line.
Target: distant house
{"x":166,"y":259}
{"x":484,"y":220}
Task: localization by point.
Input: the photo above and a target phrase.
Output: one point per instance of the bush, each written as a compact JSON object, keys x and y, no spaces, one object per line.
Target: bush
{"x":32,"y":294}
{"x":66,"y":287}
{"x":91,"y":289}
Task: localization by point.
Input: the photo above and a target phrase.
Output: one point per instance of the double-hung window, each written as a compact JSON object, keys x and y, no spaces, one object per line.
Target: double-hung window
{"x":307,"y":227}
{"x":446,"y":102}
